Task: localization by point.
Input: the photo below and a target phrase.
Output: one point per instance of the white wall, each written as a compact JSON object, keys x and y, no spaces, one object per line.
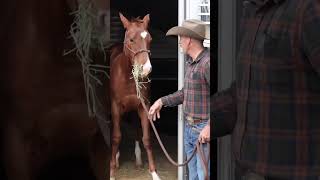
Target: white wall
{"x":199,"y":9}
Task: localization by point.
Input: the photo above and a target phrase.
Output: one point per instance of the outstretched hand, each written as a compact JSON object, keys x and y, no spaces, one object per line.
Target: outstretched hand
{"x":154,"y":111}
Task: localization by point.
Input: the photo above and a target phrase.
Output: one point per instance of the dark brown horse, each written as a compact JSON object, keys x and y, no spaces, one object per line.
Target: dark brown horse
{"x":44,"y":114}
{"x":133,"y":52}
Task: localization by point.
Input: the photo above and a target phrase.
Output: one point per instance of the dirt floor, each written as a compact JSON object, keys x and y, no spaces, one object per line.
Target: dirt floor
{"x":128,"y":170}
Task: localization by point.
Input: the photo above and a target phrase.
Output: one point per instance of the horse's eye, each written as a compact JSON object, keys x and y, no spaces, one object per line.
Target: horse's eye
{"x":131,"y":40}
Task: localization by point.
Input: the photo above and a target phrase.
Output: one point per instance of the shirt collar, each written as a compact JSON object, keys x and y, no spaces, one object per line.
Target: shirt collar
{"x":199,"y":57}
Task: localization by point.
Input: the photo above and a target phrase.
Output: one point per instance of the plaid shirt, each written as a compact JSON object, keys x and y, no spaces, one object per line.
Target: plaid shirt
{"x":195,"y":95}
{"x":273,"y":107}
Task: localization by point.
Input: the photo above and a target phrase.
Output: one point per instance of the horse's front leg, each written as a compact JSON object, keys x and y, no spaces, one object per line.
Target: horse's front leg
{"x":116,"y":137}
{"x":147,"y":142}
{"x":134,"y":119}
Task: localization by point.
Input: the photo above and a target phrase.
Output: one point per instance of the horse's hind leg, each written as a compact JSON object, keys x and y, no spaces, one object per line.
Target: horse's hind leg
{"x":99,"y":154}
{"x":137,"y":152}
{"x":116,"y":137}
{"x":147,"y":142}
{"x":134,"y":119}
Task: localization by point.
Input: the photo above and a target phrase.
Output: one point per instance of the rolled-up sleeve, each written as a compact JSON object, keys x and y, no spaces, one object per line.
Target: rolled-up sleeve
{"x":174,"y":99}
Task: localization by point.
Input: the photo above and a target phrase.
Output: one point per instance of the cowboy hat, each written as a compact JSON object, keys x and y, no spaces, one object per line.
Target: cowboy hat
{"x":192,"y":28}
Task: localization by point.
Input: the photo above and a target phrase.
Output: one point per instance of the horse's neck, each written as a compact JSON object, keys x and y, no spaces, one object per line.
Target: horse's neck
{"x":125,"y":64}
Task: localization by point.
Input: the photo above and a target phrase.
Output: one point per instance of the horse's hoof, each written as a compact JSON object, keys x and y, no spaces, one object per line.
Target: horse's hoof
{"x":139,"y":166}
{"x":139,"y":163}
{"x":112,"y":178}
{"x":155,"y":176}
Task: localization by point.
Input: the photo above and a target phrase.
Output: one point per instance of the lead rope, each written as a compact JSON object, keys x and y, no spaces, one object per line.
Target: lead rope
{"x":198,"y":147}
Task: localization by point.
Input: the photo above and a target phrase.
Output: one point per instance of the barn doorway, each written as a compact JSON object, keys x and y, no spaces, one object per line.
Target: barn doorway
{"x":164,"y":78}
{"x":164,"y":59}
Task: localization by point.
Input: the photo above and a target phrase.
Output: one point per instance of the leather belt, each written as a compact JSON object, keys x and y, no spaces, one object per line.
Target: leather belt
{"x":192,"y":121}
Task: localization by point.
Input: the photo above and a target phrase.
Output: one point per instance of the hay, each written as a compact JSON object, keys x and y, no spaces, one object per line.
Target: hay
{"x":86,"y":37}
{"x":137,"y":77}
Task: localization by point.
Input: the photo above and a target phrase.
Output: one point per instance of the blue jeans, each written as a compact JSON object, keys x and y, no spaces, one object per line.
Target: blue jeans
{"x":196,"y":171}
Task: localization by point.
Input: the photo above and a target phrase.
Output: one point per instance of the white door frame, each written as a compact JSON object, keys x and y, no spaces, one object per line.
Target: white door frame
{"x":181,"y":60}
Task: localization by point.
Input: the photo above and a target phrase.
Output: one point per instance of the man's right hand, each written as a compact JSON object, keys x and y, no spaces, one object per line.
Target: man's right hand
{"x":154,"y":111}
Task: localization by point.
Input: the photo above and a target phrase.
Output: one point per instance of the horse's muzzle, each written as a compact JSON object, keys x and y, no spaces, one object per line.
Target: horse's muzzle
{"x":147,"y":68}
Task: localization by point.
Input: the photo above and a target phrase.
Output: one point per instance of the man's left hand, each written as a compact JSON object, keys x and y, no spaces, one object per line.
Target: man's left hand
{"x":205,"y":134}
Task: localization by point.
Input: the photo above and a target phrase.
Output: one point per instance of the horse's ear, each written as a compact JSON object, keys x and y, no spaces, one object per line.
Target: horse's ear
{"x":124,"y":20}
{"x":146,"y":20}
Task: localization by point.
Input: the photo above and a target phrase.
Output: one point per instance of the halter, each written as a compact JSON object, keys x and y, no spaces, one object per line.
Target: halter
{"x":136,"y":52}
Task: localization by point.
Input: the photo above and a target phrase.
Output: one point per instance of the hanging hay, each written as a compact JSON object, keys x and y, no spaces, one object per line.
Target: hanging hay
{"x":86,"y":37}
{"x":137,"y":77}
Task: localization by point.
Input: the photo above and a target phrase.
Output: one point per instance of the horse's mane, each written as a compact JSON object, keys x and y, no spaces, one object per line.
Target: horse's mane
{"x":136,"y":20}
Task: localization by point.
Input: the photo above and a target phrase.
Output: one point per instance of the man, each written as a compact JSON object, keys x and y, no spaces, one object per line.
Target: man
{"x":272,"y":109}
{"x":195,"y":96}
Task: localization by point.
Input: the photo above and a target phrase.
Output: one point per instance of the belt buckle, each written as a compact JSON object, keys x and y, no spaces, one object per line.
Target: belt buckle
{"x":190,"y":120}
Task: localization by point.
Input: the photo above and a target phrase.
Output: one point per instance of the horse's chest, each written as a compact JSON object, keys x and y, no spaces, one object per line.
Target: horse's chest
{"x":129,"y":103}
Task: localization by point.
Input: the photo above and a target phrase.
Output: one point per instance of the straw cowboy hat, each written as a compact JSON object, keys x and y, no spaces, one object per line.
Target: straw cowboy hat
{"x":192,"y":28}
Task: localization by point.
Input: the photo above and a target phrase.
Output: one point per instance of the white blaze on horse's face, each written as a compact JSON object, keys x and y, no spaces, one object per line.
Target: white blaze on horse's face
{"x":144,"y":34}
{"x":147,"y":65}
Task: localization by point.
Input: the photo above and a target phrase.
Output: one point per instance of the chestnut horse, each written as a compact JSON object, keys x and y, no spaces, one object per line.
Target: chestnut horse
{"x":44,"y":114}
{"x":123,"y":94}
